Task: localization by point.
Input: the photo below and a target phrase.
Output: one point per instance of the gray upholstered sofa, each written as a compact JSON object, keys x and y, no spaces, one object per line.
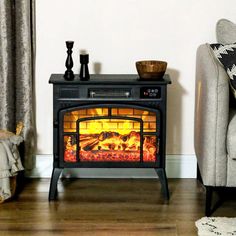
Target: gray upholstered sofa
{"x":215,"y":119}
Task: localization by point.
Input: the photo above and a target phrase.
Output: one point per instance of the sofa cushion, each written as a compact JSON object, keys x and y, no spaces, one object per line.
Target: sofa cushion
{"x":231,"y":135}
{"x":226,"y":55}
{"x":225,"y":31}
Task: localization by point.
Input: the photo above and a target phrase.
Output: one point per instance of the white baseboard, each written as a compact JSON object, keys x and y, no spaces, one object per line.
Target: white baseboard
{"x":177,"y":166}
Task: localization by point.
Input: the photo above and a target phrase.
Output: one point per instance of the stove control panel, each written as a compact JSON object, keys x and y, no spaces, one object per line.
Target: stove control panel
{"x":150,"y":92}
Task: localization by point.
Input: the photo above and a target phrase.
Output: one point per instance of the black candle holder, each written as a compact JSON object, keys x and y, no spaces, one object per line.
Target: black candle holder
{"x":69,"y":74}
{"x":84,"y":71}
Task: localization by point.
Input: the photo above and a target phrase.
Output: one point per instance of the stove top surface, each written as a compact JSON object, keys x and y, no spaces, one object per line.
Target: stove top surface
{"x":118,"y":79}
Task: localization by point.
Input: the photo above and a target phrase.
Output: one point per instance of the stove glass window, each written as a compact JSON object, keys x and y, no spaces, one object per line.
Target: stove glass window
{"x":110,"y":135}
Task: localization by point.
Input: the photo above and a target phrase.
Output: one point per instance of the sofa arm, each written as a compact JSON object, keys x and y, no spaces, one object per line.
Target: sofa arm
{"x":211,"y":117}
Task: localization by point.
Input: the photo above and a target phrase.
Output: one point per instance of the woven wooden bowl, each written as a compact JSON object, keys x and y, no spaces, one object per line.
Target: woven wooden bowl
{"x":151,"y":69}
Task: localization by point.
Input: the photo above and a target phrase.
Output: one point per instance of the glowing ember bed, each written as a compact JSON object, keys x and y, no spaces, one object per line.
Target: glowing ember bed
{"x":109,"y":121}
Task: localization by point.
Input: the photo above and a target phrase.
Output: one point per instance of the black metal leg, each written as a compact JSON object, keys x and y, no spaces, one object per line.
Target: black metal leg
{"x":164,"y":183}
{"x":53,"y":185}
{"x":209,"y":191}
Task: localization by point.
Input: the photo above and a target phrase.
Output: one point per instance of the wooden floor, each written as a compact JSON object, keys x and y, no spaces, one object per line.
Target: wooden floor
{"x":107,"y":207}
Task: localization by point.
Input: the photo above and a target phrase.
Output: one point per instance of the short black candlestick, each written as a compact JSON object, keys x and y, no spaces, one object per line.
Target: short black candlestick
{"x":69,"y":74}
{"x":84,"y":71}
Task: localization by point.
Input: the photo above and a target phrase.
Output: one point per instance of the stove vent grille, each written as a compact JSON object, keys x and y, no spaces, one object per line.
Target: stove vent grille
{"x":110,"y":93}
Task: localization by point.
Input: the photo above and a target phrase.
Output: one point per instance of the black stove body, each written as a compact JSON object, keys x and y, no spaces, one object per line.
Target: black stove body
{"x":109,"y":121}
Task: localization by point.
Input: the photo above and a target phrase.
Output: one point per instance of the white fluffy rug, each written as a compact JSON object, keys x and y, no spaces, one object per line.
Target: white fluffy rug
{"x":222,"y":226}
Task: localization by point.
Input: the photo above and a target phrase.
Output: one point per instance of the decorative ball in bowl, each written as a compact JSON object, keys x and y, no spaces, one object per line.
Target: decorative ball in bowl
{"x":151,"y":69}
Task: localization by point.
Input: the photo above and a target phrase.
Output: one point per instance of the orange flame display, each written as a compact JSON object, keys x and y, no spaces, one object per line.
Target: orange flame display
{"x":112,"y":140}
{"x":112,"y":146}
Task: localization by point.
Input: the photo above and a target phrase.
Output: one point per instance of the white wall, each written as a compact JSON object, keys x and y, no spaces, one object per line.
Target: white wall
{"x":116,"y":33}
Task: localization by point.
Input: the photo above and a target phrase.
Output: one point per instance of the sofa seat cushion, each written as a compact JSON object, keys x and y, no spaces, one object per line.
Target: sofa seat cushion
{"x":231,"y":135}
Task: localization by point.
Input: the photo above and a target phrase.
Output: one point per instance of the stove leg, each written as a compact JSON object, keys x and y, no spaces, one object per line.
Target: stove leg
{"x":53,"y":185}
{"x":164,"y":183}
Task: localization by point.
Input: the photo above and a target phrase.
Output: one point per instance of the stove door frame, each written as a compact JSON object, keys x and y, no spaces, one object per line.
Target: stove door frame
{"x":104,"y":104}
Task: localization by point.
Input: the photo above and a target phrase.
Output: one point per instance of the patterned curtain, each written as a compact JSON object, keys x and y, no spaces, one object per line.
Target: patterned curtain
{"x":17,"y":51}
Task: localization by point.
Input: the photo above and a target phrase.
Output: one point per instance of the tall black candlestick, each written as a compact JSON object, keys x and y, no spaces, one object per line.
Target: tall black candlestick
{"x":69,"y":74}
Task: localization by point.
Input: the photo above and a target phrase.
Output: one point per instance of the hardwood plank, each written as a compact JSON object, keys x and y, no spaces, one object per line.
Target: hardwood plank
{"x":92,"y":229}
{"x":107,"y":207}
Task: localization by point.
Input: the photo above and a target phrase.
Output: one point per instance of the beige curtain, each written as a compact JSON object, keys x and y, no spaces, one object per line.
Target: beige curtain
{"x":17,"y":71}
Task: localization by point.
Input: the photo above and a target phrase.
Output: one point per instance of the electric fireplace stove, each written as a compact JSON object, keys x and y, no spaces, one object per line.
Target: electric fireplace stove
{"x":109,"y":121}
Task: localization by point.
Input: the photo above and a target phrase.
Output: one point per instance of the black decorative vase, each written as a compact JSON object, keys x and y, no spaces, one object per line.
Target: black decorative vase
{"x":69,"y":74}
{"x":84,"y":71}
